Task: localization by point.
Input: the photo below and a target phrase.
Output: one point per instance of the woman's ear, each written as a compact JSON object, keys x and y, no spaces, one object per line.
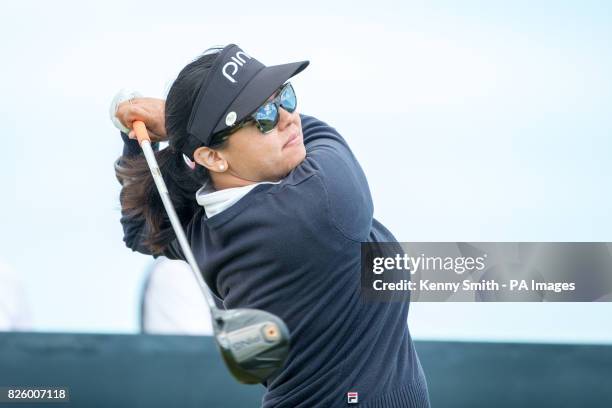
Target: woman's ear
{"x":212,"y":159}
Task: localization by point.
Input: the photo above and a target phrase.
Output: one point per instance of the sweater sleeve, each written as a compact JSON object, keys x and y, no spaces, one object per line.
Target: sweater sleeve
{"x":135,"y":229}
{"x":345,"y":183}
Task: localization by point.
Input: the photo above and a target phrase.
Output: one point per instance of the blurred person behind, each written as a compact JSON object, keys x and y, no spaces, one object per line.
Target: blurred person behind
{"x":172,"y":302}
{"x":14,"y":308}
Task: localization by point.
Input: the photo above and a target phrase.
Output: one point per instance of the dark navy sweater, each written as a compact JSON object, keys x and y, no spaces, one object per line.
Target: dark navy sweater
{"x":293,"y":249}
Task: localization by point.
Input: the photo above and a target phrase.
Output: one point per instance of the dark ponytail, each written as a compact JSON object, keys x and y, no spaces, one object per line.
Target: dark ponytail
{"x":139,"y":197}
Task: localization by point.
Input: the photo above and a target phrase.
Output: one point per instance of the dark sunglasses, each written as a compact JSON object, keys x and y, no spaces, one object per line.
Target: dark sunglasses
{"x":267,"y":115}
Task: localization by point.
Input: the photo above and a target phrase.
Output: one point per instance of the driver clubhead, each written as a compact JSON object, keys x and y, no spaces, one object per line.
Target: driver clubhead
{"x":253,"y":343}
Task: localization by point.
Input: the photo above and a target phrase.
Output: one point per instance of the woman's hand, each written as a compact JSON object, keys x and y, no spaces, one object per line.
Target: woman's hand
{"x":149,"y":110}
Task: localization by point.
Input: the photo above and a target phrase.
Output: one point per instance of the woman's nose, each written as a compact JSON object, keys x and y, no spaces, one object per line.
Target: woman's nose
{"x":284,"y":118}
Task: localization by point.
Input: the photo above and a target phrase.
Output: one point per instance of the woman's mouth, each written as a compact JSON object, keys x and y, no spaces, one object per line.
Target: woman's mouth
{"x":294,"y":139}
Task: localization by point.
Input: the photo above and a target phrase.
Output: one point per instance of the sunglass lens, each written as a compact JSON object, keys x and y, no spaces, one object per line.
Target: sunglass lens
{"x":266,"y":117}
{"x":288,"y":99}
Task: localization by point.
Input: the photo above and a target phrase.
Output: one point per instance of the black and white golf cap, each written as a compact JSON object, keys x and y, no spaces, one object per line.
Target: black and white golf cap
{"x":236,"y":85}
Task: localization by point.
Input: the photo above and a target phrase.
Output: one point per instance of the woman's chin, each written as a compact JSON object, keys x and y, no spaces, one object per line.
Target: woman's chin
{"x":298,"y":155}
{"x":291,"y":158}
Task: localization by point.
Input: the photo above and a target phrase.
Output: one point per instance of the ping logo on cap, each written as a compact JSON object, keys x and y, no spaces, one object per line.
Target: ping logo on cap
{"x":237,"y":61}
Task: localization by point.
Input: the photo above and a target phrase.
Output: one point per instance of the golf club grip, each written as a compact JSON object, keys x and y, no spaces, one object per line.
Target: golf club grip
{"x":149,"y":154}
{"x":141,"y":131}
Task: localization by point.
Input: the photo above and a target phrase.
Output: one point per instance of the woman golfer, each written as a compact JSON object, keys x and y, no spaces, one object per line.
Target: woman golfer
{"x":275,"y":207}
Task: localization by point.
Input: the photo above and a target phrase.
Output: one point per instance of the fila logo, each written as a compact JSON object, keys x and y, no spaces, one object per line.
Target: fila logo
{"x":352,"y":397}
{"x":237,"y":61}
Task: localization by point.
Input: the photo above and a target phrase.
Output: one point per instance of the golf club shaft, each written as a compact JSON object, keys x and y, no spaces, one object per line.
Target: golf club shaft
{"x":145,"y":143}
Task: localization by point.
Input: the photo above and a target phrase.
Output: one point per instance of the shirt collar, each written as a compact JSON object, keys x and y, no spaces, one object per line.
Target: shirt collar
{"x":216,"y":201}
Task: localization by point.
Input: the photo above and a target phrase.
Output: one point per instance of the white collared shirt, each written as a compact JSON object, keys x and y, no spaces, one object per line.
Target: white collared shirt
{"x":216,"y":201}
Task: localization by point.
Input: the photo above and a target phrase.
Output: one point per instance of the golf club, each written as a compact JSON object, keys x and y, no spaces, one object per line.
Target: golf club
{"x":254,"y":343}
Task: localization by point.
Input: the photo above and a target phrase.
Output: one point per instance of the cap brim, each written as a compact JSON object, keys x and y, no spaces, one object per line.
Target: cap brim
{"x":259,"y":89}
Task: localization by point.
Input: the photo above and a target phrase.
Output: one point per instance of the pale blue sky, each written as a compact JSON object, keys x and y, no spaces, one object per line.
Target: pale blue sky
{"x":474,"y":121}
